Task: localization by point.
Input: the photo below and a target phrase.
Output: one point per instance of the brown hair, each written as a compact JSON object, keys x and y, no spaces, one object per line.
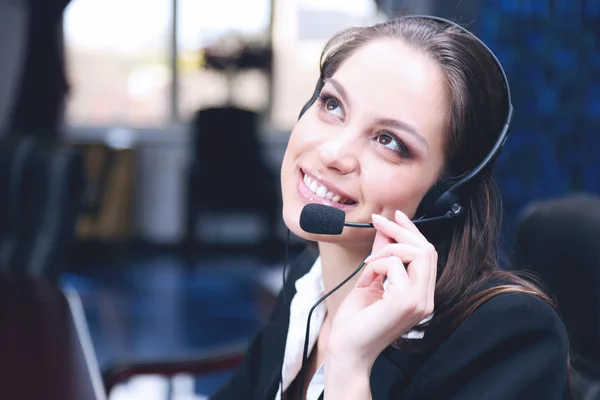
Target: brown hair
{"x":468,"y":248}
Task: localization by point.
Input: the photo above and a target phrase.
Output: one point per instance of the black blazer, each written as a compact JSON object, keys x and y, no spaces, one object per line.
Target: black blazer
{"x":512,"y":347}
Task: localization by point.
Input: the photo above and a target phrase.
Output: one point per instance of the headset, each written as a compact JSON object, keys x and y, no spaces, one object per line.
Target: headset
{"x":443,"y":199}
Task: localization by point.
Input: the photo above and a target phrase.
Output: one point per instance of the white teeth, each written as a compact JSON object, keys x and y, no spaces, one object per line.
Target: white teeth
{"x":321,"y":191}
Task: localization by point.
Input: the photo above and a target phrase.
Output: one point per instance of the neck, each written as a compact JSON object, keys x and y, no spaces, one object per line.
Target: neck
{"x":338,"y":263}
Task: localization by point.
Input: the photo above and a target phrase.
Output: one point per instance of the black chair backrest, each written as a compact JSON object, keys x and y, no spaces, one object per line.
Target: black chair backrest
{"x":14,"y":155}
{"x":226,"y":148}
{"x":559,"y":240}
{"x":41,"y":192}
{"x":226,"y":138}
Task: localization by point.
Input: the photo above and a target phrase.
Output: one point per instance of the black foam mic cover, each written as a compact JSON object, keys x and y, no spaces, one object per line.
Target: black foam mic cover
{"x":322,"y":219}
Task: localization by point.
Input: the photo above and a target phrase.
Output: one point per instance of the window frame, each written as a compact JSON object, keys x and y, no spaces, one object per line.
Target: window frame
{"x":174,"y":128}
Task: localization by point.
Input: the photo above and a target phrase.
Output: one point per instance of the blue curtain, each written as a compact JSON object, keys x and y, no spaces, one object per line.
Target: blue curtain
{"x":551,"y":53}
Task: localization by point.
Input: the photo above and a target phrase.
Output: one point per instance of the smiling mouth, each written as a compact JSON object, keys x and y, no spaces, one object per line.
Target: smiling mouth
{"x":325,"y":193}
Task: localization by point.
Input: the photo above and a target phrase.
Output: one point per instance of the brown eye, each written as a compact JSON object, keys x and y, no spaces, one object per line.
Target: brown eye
{"x":385,"y":139}
{"x":331,"y":105}
{"x":390,"y":141}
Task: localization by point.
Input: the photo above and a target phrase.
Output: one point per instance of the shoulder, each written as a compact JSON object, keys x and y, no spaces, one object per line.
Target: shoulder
{"x":508,"y":323}
{"x":518,"y":312}
{"x":514,"y":345}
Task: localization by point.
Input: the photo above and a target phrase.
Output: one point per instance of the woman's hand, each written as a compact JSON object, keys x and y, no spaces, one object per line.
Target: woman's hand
{"x":370,"y":318}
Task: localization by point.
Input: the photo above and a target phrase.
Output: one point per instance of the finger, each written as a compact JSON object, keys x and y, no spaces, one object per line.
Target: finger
{"x":393,"y":269}
{"x":397,"y":232}
{"x":403,"y":220}
{"x":367,"y":277}
{"x":421,"y":272}
{"x":433,"y":280}
{"x":381,"y":240}
{"x":406,"y":252}
{"x":429,"y":301}
{"x":377,"y":282}
{"x":370,"y":278}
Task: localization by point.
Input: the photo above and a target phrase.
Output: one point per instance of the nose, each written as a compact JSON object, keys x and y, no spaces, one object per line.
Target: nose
{"x":340,"y":153}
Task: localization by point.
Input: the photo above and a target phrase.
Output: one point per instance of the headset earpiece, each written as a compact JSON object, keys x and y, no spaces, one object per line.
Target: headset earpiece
{"x":441,"y":199}
{"x":444,"y":197}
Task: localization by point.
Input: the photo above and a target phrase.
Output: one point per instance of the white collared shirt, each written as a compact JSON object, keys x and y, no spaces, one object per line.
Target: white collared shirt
{"x":309,"y":289}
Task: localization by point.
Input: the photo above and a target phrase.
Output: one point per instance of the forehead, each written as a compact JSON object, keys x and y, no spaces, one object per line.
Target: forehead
{"x":391,"y":79}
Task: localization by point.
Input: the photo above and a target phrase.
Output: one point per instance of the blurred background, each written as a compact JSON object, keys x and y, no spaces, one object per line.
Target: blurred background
{"x":108,"y":189}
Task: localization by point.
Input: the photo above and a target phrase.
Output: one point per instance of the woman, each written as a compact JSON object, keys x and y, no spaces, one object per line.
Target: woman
{"x":403,"y":109}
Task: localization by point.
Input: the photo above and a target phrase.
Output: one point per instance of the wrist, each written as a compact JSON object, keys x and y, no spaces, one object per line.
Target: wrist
{"x":348,"y":356}
{"x":348,"y":363}
{"x":347,"y":378}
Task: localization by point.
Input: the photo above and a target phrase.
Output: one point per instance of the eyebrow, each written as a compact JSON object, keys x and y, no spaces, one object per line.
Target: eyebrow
{"x":389,"y":122}
{"x":340,"y":89}
{"x":392,"y":123}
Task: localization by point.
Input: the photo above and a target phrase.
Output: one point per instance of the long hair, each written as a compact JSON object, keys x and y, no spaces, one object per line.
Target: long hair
{"x":469,"y":247}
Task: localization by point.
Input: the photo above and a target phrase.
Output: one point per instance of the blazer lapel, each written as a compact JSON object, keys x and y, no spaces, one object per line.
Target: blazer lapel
{"x":271,"y":359}
{"x":275,"y":333}
{"x":390,"y":374}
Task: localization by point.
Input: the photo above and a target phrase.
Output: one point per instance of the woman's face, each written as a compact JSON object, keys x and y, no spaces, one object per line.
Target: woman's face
{"x":372,"y":143}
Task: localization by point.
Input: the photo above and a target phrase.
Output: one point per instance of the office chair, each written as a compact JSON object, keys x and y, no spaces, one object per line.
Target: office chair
{"x":227,"y":173}
{"x":558,"y":241}
{"x":41,"y":192}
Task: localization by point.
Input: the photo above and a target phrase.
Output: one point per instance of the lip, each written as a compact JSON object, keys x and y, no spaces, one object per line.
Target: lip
{"x":307,"y":194}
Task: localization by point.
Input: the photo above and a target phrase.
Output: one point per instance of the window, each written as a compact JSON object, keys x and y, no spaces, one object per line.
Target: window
{"x":118,"y":62}
{"x":226,"y":26}
{"x":300,"y":32}
{"x":120,"y":68}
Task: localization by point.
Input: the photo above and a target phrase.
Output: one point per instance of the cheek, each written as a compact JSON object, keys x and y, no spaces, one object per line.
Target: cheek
{"x":298,"y":146}
{"x":388,"y":192}
{"x":300,"y":138}
{"x":293,"y":147}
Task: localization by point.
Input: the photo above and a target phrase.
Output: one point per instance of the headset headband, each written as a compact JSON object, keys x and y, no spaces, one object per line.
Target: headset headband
{"x":495,"y":151}
{"x":444,"y":198}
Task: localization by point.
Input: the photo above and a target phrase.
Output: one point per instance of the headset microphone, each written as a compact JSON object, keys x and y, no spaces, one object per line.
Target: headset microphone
{"x":327,"y":220}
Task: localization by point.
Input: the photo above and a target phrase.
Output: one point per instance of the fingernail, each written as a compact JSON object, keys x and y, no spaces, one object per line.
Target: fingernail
{"x":400,"y":214}
{"x":378,"y":217}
